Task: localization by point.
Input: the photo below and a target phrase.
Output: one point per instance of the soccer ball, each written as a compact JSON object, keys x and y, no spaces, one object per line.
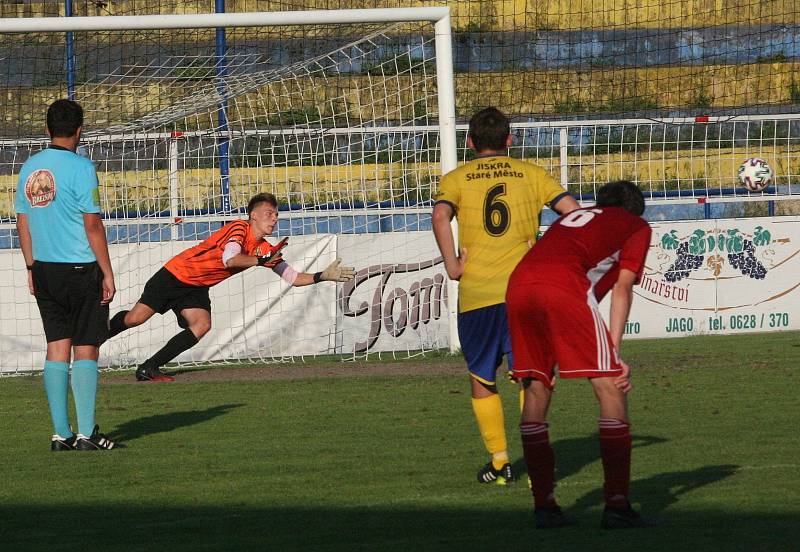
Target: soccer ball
{"x":755,"y":174}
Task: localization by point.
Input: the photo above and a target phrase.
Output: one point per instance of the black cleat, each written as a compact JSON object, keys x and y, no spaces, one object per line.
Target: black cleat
{"x":503,"y":476}
{"x":59,"y":443}
{"x":625,"y":518}
{"x":97,"y":441}
{"x":146,"y":373}
{"x":552,"y":518}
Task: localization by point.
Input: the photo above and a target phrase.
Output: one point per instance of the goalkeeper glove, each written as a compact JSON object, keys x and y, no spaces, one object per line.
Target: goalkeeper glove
{"x":335,"y":273}
{"x":272,"y":257}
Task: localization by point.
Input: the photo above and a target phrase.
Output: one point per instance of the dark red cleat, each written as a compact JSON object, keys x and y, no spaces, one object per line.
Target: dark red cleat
{"x":145,"y":373}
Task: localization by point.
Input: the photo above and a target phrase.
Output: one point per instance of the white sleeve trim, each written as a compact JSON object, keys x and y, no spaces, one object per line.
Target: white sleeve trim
{"x":231,"y":250}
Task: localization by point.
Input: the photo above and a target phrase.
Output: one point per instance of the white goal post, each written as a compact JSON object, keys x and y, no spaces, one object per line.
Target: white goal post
{"x":349,"y":121}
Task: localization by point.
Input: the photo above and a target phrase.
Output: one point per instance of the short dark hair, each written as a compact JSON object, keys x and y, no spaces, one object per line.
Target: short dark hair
{"x":264,"y":197}
{"x":621,"y":193}
{"x":489,"y":129}
{"x":64,"y":118}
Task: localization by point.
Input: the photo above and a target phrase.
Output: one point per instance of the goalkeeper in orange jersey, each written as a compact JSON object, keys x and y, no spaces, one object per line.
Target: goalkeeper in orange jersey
{"x":183,"y":282}
{"x":497,"y":201}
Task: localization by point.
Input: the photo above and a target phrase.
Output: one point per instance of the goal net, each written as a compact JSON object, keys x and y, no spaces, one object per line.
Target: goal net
{"x":342,"y":122}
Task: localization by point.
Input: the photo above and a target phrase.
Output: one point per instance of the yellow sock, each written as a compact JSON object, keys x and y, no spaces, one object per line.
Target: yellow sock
{"x":491,"y":423}
{"x":499,"y":459}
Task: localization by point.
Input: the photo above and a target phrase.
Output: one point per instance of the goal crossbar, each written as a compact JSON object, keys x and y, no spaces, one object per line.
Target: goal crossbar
{"x":212,"y":20}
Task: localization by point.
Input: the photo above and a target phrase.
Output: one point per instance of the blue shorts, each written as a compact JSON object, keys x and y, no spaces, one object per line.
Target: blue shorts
{"x":484,"y":340}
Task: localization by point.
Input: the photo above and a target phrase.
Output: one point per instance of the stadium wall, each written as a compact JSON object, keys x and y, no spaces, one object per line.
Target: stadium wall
{"x":547,"y":91}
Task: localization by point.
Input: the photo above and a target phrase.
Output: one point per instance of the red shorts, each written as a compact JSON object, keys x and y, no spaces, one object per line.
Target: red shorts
{"x":554,"y":328}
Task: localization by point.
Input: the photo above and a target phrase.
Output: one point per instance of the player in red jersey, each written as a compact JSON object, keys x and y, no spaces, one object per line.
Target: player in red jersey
{"x":182,"y":284}
{"x":555,"y":324}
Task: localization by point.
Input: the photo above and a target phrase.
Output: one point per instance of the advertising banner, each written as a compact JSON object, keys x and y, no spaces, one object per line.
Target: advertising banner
{"x":254,"y":314}
{"x":701,"y":277}
{"x":718,"y":277}
{"x":398,"y":300}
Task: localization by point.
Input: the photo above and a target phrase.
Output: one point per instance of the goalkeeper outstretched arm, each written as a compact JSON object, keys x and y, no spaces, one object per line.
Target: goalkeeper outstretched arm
{"x":233,"y":257}
{"x":335,"y":272}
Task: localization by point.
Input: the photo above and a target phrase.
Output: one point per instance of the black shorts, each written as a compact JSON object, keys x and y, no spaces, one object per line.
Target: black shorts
{"x":163,"y":292}
{"x":68,"y":295}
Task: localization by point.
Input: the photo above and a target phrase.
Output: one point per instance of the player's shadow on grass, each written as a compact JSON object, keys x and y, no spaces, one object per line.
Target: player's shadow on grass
{"x":178,"y":370}
{"x":659,"y":492}
{"x":164,"y":423}
{"x":572,"y":455}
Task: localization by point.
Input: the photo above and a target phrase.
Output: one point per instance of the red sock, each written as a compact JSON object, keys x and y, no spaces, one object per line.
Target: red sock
{"x":541,"y":462}
{"x":615,"y":449}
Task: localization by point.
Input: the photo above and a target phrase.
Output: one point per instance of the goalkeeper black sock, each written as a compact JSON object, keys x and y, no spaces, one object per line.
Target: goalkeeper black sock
{"x":179,"y":343}
{"x":117,"y":324}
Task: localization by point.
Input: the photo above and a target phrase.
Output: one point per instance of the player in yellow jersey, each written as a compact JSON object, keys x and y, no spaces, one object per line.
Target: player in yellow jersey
{"x":497,"y":201}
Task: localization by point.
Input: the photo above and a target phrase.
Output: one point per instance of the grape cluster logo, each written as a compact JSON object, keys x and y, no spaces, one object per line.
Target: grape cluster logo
{"x":715,"y":250}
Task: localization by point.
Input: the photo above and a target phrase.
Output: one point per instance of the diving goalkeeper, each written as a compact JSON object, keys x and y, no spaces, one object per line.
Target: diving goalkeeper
{"x":182,"y":284}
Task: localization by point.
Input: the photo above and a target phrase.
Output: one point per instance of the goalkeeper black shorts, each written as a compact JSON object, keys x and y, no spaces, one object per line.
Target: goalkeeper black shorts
{"x":163,"y":292}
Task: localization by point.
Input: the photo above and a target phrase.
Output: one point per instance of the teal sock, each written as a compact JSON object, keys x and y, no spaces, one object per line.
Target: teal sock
{"x":56,"y":385}
{"x":84,"y":391}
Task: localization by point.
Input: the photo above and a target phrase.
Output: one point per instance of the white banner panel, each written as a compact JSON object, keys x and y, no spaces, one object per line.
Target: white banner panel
{"x":255,"y":314}
{"x":718,"y":277}
{"x":398,"y":301}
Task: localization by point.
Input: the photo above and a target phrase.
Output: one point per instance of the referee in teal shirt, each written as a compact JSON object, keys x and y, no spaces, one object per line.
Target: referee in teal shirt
{"x":63,"y":240}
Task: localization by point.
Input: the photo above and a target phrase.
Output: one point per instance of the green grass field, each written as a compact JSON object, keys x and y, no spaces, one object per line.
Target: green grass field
{"x":388,"y":462}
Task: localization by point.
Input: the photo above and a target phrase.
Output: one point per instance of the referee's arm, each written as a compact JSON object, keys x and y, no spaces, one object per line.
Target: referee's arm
{"x":96,"y":234}
{"x":25,"y":243}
